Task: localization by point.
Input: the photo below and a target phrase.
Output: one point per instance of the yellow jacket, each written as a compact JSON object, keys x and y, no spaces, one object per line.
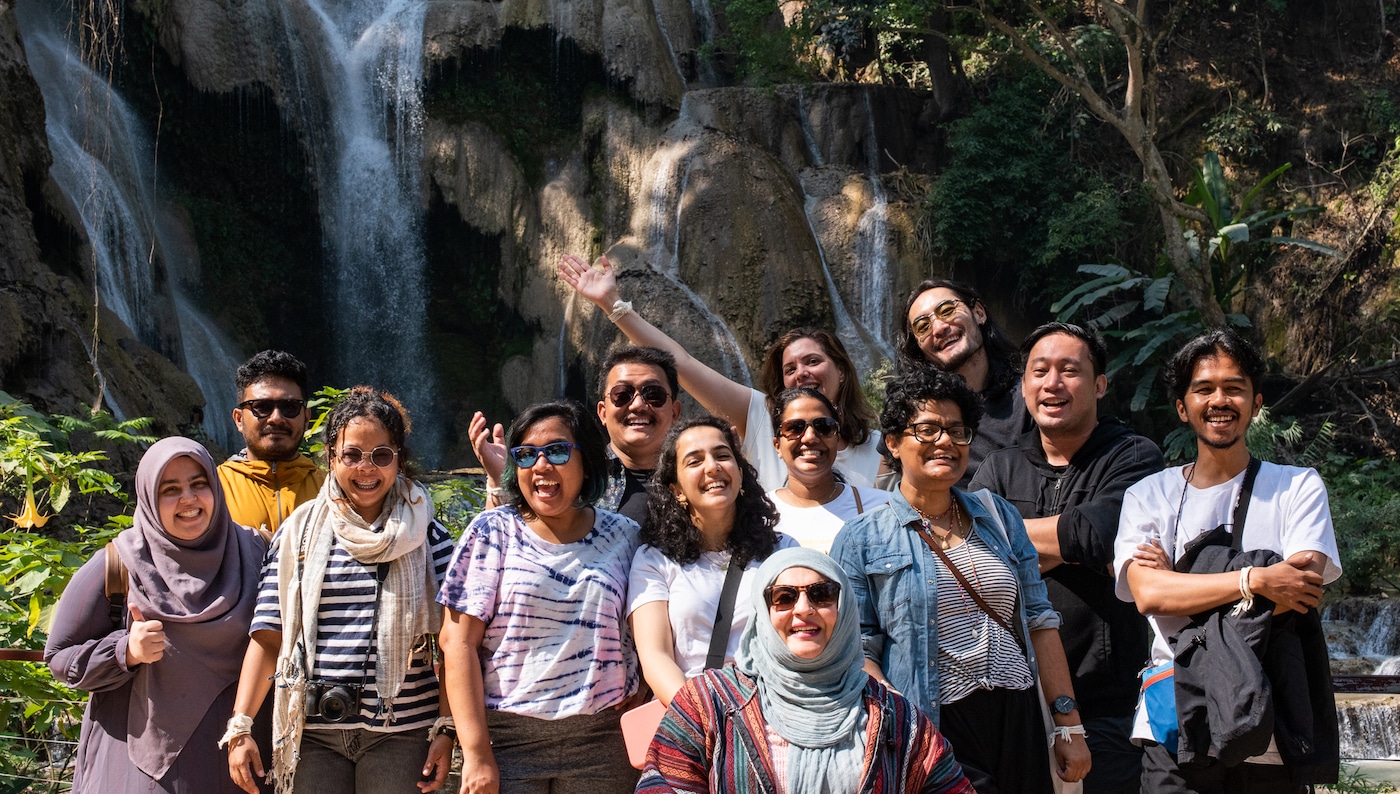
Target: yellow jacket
{"x":263,"y":493}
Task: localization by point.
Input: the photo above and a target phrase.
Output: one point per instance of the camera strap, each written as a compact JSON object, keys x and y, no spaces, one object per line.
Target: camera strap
{"x":380,"y":574}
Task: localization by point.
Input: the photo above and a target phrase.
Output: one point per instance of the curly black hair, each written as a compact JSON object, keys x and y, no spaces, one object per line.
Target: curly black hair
{"x":588,"y":437}
{"x":669,"y":526}
{"x":907,"y":393}
{"x":369,"y":402}
{"x":271,"y":364}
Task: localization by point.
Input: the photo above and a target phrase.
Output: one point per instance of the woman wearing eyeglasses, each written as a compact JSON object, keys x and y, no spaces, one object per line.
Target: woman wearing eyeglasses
{"x":814,"y":505}
{"x":707,"y":513}
{"x":796,"y":712}
{"x":809,"y":357}
{"x":537,"y":662}
{"x":952,"y":606}
{"x":343,"y":624}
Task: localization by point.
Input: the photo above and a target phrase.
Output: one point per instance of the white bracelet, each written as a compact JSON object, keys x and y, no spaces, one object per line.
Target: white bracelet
{"x":620,"y":308}
{"x":238,"y":725}
{"x":443,"y":725}
{"x":497,"y":491}
{"x":1063,"y":732}
{"x":1246,"y":602}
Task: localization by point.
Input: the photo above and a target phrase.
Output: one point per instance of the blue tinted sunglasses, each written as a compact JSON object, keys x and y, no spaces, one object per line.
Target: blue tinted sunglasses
{"x":557,"y":453}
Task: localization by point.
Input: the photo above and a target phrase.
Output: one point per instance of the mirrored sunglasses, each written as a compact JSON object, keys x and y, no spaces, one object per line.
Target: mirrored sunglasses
{"x":622,"y":395}
{"x":262,"y":409}
{"x":944,"y":311}
{"x":381,"y":457}
{"x":557,"y":453}
{"x":783,"y":597}
{"x":823,"y":426}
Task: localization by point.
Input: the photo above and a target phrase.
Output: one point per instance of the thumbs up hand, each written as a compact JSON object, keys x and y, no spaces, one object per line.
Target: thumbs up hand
{"x":146,"y":643}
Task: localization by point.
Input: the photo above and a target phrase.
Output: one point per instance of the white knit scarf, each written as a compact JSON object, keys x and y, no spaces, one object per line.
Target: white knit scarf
{"x":406,"y":608}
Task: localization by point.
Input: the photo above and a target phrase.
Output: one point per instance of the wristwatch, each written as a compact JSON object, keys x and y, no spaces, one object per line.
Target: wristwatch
{"x":1064,"y":704}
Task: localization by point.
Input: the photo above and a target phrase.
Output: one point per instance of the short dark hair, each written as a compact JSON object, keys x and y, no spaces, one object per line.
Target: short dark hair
{"x":789,"y":396}
{"x":1098,"y":351}
{"x":640,"y":354}
{"x":271,"y":364}
{"x":906,"y":393}
{"x":369,"y":402}
{"x":998,"y":345}
{"x":1220,"y":341}
{"x":669,"y":528}
{"x":854,"y":411}
{"x":588,"y":435}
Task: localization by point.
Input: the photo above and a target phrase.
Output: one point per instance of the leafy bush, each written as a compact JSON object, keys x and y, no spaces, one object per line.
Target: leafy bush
{"x":1366,"y":515}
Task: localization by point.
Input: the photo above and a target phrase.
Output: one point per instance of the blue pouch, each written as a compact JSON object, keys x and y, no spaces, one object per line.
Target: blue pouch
{"x":1158,"y":698}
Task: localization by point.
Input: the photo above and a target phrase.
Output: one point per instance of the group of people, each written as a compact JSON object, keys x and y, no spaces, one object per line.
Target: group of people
{"x":956,"y":593}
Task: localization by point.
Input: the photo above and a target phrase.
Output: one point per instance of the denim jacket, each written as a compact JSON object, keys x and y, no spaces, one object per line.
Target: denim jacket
{"x":888,"y":565}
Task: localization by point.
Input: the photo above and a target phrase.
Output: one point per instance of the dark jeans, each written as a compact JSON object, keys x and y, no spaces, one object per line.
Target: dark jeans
{"x":1159,"y":774}
{"x":573,"y":755}
{"x":1117,"y":761}
{"x":359,"y":761}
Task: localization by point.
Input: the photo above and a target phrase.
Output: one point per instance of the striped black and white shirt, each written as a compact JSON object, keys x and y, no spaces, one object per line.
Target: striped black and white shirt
{"x":344,"y":650}
{"x":974,"y":652}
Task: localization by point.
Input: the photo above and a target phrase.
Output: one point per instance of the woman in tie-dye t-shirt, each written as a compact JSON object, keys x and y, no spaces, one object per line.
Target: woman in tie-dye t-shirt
{"x":536,"y":652}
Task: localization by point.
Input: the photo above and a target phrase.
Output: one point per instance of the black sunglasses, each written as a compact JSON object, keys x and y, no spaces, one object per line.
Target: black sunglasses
{"x":783,"y":597}
{"x":262,"y":409}
{"x":823,"y":426}
{"x":381,"y":457}
{"x":557,"y":453}
{"x":622,"y":395}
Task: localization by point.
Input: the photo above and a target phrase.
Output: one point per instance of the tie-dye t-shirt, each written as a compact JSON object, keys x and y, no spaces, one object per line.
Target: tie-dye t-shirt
{"x":556,"y":642}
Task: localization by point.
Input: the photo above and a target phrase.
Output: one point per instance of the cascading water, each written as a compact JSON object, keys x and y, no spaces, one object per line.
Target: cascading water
{"x":358,"y":68}
{"x":102,"y":163}
{"x":872,"y":246}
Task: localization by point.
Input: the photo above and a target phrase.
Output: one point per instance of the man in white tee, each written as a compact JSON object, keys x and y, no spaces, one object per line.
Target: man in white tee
{"x":1214,"y":380}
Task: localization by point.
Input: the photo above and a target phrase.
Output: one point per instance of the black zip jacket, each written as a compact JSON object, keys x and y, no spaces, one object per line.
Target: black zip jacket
{"x":1105,"y":639}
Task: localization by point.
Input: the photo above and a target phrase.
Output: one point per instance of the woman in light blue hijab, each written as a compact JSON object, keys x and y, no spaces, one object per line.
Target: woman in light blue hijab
{"x":796,"y":706}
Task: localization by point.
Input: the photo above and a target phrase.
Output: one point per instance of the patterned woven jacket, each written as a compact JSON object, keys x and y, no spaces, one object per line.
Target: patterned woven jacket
{"x":713,"y":740}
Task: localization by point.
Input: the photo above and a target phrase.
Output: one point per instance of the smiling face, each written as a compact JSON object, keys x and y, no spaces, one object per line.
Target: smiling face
{"x":708,"y":478}
{"x":185,"y":499}
{"x":806,"y":628}
{"x":551,"y":490}
{"x":951,"y":343}
{"x":1060,"y":387}
{"x":936,"y":465}
{"x":810,"y":456}
{"x":806,"y":363}
{"x":637,"y":429}
{"x":365,"y":485}
{"x":275,"y":437}
{"x":1220,"y":402}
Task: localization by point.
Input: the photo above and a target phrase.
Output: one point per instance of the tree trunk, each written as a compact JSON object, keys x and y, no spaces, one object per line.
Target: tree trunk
{"x":939,"y":58}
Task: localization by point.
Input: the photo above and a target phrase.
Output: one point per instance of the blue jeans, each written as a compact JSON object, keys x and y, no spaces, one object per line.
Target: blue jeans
{"x":359,"y":761}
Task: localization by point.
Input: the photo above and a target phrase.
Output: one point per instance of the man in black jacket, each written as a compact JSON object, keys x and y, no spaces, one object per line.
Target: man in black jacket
{"x":1067,"y":477}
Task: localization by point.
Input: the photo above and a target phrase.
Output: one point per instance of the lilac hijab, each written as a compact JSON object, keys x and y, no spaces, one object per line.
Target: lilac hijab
{"x":203,"y":591}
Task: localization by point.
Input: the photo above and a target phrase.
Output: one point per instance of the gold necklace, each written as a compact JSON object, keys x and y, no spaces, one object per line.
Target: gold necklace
{"x":946,"y":538}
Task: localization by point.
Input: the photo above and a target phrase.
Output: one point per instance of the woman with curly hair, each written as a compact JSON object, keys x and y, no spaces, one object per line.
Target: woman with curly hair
{"x":811,"y":357}
{"x":707,"y":513}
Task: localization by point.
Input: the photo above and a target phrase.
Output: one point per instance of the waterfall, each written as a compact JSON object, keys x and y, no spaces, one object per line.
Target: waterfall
{"x":872,"y":246}
{"x":814,"y":149}
{"x":1376,"y":624}
{"x":857,"y":341}
{"x":1369,"y":727}
{"x":103,"y":164}
{"x":357,"y":82}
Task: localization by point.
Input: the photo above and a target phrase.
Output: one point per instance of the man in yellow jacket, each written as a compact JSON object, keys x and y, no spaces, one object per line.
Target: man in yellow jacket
{"x":265,"y":482}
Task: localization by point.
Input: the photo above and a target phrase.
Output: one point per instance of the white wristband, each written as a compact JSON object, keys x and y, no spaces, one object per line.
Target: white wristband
{"x":1063,"y":732}
{"x":238,"y":725}
{"x":620,"y":307}
{"x":1246,"y":601}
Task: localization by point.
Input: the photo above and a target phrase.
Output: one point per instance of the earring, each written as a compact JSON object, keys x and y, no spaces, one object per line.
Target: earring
{"x":741,"y":490}
{"x":684,"y":502}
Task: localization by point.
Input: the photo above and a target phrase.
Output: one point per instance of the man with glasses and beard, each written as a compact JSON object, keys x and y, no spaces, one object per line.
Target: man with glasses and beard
{"x":638,"y":402}
{"x":265,"y":482}
{"x":1197,"y":545}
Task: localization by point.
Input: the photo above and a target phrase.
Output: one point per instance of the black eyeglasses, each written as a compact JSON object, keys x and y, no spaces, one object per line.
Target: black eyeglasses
{"x":262,"y":409}
{"x":929,"y":432}
{"x":944,"y":311}
{"x":381,"y":457}
{"x":783,"y":597}
{"x":622,"y":395}
{"x":557,"y":453}
{"x":794,"y":429}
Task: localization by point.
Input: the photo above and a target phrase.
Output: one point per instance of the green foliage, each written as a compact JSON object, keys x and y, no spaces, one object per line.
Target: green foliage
{"x":1353,"y":781}
{"x":1366,"y":516}
{"x":874,"y":382}
{"x":456,"y":501}
{"x":1286,"y":441}
{"x":319,"y":407}
{"x":1246,"y":131}
{"x":762,"y":53}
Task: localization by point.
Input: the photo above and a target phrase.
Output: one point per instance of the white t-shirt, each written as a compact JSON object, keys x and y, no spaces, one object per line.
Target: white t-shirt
{"x":816,"y":527}
{"x":858,"y":465}
{"x":1288,"y":514}
{"x":692,"y":592}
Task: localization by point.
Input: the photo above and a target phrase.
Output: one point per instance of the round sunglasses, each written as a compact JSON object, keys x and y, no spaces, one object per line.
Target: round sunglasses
{"x":944,"y":311}
{"x":783,"y":597}
{"x":381,"y":457}
{"x":622,"y":395}
{"x":558,"y":453}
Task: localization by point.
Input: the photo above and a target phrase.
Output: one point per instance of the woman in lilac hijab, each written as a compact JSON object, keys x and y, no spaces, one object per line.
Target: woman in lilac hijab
{"x":163,"y":675}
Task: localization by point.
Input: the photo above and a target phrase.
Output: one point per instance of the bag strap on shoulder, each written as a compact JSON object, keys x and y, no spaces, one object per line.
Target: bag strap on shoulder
{"x":115,"y":585}
{"x":1242,"y":503}
{"x":724,"y":616}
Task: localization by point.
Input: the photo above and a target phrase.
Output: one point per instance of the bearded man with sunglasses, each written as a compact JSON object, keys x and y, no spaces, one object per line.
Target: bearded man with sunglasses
{"x":266,"y":481}
{"x":638,"y":403}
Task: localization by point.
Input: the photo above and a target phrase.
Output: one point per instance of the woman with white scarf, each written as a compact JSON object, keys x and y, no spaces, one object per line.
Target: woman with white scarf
{"x":344,"y":616}
{"x":796,"y":713}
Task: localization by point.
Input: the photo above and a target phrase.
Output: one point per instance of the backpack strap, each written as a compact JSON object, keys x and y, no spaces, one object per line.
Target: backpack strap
{"x":115,"y":585}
